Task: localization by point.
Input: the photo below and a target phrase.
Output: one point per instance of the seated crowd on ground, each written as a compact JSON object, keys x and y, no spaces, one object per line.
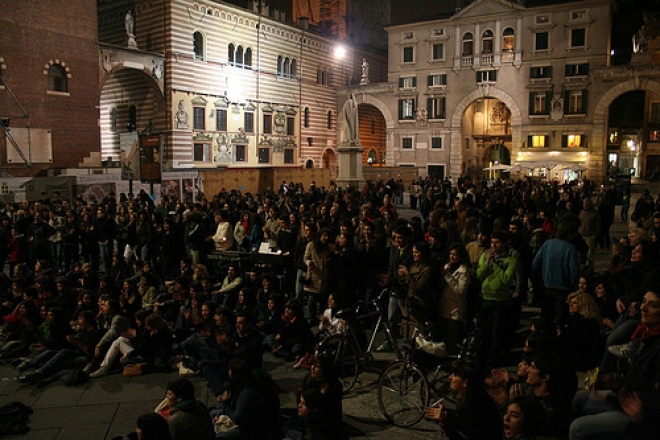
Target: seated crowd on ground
{"x":104,"y":286}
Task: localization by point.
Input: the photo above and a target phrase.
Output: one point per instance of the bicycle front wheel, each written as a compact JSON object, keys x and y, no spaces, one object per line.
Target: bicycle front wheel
{"x":347,"y":364}
{"x":345,"y":359}
{"x":403,"y":393}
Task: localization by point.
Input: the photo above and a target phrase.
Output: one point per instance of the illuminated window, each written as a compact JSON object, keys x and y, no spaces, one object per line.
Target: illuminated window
{"x":508,"y":40}
{"x":537,"y":141}
{"x":573,"y":141}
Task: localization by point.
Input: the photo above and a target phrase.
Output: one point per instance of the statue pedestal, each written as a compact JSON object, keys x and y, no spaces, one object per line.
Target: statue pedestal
{"x":350,"y":165}
{"x":131,"y":44}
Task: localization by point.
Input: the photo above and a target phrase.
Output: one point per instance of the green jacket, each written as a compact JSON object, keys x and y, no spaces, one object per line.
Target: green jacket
{"x":498,"y":278}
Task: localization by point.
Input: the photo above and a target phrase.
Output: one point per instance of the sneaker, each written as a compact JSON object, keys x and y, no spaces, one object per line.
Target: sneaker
{"x":35,"y":376}
{"x":88,"y":368}
{"x":23,"y":366}
{"x":298,"y":365}
{"x":103,"y":371}
{"x":621,"y":351}
{"x":383,"y":347}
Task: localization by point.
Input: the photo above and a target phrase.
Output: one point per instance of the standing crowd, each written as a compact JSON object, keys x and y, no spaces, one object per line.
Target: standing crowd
{"x":111,"y":284}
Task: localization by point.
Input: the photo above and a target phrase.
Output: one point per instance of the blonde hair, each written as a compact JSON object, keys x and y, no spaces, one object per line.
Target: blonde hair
{"x":588,"y":307}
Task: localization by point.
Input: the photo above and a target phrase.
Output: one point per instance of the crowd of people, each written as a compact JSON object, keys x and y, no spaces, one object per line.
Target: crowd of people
{"x":105,"y":285}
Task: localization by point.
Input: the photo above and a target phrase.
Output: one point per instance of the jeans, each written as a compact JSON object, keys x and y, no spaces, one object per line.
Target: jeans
{"x":602,"y":420}
{"x":620,"y":334}
{"x":56,"y":253}
{"x":494,"y":324}
{"x":62,"y":359}
{"x":120,"y":345}
{"x":554,"y":305}
{"x":105,"y":248}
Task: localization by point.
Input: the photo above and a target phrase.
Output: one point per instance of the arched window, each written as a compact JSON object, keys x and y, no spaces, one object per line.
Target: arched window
{"x":508,"y":40}
{"x":113,"y":119}
{"x":230,"y":54}
{"x":57,"y":79}
{"x":286,"y":67}
{"x":239,"y":56}
{"x":280,"y":63}
{"x":329,"y":120}
{"x":309,"y":164}
{"x":247,"y":58}
{"x":198,"y":45}
{"x":292,"y":72}
{"x":468,"y":44}
{"x":487,"y":41}
{"x":306,"y":117}
{"x":132,"y":118}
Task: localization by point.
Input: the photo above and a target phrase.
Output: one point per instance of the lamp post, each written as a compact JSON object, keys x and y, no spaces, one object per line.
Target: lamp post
{"x":340,"y":54}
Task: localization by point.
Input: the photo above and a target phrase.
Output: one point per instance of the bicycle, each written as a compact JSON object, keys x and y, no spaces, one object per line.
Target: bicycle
{"x":407,"y":385}
{"x":351,"y":350}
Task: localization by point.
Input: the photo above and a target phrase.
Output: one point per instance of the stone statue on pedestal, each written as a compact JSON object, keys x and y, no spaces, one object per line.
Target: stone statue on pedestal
{"x":129,"y":24}
{"x":350,"y":127}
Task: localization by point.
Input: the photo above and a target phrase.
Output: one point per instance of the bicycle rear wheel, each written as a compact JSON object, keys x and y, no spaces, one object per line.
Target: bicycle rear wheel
{"x":346,"y":359}
{"x":403,"y":393}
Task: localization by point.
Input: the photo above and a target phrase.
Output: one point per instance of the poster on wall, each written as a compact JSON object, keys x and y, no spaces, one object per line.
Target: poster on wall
{"x":179,"y":185}
{"x":150,"y":158}
{"x":128,"y":155}
{"x":95,"y":192}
